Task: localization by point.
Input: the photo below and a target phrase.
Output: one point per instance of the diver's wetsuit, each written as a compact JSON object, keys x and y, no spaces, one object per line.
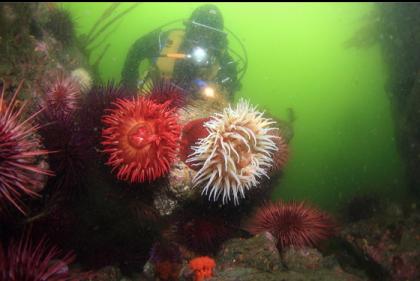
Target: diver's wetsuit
{"x":184,"y":72}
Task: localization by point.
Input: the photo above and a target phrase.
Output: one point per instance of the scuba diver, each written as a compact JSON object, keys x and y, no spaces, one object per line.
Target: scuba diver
{"x":196,"y":59}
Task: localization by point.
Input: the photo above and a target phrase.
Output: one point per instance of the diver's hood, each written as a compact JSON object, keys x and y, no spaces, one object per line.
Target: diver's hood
{"x":207,"y":15}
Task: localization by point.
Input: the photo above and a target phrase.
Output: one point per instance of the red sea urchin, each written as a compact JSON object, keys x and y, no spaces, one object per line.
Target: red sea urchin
{"x":141,"y":137}
{"x":20,"y":167}
{"x":201,"y":231}
{"x":292,"y":224}
{"x":28,"y":261}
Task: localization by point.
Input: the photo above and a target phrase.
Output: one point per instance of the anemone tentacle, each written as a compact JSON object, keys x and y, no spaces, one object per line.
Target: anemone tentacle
{"x":235,"y":154}
{"x":141,"y":138}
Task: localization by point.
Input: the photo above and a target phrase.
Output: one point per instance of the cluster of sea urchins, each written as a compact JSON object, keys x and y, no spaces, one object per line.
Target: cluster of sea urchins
{"x":21,"y":172}
{"x":292,"y":224}
{"x":236,"y":153}
{"x":28,"y":261}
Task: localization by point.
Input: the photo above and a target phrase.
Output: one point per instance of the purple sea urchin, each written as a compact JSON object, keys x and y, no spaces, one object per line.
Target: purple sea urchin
{"x":93,"y":108}
{"x":61,"y":103}
{"x":61,"y":99}
{"x":165,"y":91}
{"x":28,"y":261}
{"x":19,"y":152}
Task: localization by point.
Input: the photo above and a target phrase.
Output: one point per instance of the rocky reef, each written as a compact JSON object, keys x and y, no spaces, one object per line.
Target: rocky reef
{"x":382,"y":247}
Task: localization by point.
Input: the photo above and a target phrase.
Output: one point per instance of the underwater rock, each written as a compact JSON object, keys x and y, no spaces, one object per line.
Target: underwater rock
{"x":30,"y":53}
{"x":361,"y":207}
{"x":241,"y":273}
{"x":180,"y":181}
{"x":251,"y":274}
{"x":178,"y":190}
{"x":83,"y":79}
{"x":308,"y":259}
{"x":61,"y":25}
{"x":164,"y":271}
{"x":302,"y":259}
{"x":165,"y":262}
{"x":259,"y":252}
{"x":257,"y":258}
{"x":387,"y":248}
{"x":149,"y":269}
{"x":164,"y":204}
{"x":108,"y":273}
{"x":202,"y":108}
{"x":137,"y":277}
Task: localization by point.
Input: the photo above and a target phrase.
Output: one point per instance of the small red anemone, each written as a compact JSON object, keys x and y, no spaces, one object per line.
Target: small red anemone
{"x":202,"y":267}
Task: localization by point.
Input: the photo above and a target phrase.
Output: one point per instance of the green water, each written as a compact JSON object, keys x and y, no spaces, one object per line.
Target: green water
{"x":344,"y":134}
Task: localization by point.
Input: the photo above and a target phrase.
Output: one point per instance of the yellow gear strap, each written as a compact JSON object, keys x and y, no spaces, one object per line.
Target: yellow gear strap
{"x":173,"y":42}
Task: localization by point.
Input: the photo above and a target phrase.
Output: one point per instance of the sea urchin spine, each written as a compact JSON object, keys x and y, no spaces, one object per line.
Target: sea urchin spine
{"x":292,"y":224}
{"x":28,"y":261}
{"x":61,"y":99}
{"x":141,"y":137}
{"x":236,"y":153}
{"x":19,"y":153}
{"x":162,"y":90}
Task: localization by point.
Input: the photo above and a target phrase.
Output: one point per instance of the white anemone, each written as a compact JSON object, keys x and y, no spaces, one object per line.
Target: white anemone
{"x":237,"y":152}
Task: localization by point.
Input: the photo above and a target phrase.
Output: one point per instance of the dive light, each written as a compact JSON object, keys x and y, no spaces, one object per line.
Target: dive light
{"x":198,"y":56}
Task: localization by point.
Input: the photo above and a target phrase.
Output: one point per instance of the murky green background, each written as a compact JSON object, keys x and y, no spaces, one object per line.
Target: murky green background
{"x":344,"y":136}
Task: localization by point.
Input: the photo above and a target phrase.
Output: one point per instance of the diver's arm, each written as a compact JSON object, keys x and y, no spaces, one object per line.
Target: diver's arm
{"x":145,"y":47}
